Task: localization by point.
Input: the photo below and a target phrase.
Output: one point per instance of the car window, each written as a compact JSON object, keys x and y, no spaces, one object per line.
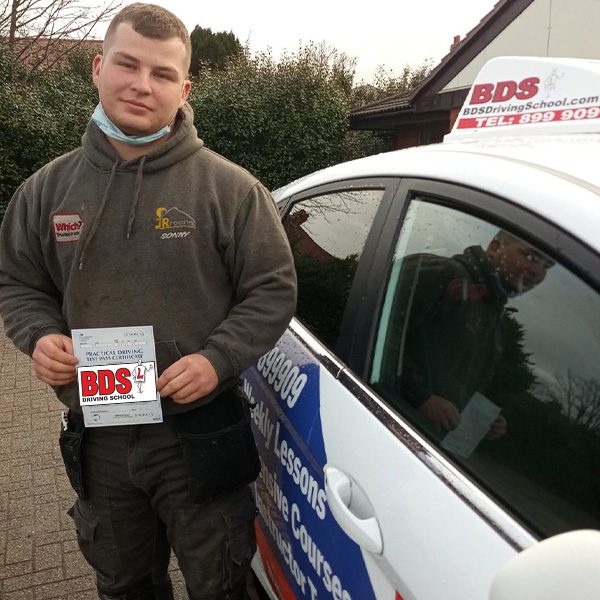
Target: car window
{"x":327,"y":235}
{"x":492,"y":350}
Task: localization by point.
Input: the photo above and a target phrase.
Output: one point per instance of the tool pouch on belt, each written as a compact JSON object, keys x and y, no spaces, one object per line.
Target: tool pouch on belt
{"x":218,"y":445}
{"x":70,"y":440}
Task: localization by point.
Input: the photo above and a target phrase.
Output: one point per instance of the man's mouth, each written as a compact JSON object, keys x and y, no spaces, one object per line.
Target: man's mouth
{"x":529,"y":282}
{"x":135,"y":104}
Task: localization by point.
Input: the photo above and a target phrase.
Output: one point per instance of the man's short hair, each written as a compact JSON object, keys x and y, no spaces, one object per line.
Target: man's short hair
{"x":153,"y":22}
{"x":504,"y":238}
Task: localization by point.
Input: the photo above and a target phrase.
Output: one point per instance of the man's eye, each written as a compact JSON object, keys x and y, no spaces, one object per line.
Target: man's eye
{"x":527,"y":255}
{"x":537,"y":259}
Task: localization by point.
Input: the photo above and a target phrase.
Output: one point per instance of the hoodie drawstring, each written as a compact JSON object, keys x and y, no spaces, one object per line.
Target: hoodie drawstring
{"x":96,"y":222}
{"x":132,"y":211}
{"x":136,"y":195}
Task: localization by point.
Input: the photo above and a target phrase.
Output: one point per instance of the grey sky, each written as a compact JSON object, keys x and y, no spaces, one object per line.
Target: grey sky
{"x":375,"y":32}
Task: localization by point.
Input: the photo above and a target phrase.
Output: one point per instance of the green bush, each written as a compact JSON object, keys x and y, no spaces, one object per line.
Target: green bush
{"x":279,"y":119}
{"x":40,"y":119}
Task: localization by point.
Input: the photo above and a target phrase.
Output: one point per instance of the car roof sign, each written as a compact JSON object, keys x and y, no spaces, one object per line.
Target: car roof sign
{"x":531,"y":96}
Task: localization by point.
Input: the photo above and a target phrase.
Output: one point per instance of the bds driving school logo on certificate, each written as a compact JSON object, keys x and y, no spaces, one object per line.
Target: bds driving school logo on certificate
{"x":119,"y":383}
{"x":116,"y":376}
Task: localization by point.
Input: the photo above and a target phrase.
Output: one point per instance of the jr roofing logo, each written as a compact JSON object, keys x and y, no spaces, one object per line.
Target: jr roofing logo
{"x":173,"y":218}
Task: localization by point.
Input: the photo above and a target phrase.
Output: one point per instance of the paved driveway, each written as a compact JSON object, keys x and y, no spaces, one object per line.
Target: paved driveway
{"x":39,"y":558}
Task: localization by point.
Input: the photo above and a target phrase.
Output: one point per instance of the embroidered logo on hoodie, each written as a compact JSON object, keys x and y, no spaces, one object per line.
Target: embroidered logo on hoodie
{"x":173,"y":218}
{"x":67,"y":228}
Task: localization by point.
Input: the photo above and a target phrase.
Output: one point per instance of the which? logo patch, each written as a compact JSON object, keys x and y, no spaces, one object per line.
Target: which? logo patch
{"x":67,"y":228}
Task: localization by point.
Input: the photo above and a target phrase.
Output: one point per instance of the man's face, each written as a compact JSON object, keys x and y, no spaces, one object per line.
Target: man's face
{"x":519,"y":266}
{"x":141,"y":81}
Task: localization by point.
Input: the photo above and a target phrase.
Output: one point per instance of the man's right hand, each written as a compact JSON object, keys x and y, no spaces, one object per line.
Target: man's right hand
{"x":441,"y":412}
{"x":53,"y":359}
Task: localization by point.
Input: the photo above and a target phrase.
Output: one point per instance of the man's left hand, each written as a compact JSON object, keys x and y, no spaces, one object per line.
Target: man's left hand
{"x":188,"y":379}
{"x":498,"y":428}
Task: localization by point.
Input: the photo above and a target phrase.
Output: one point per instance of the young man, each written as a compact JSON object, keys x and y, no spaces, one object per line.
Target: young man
{"x":457,"y":330}
{"x":142,"y":225}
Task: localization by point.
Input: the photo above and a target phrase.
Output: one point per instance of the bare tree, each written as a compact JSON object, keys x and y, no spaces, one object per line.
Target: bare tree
{"x":42,"y":32}
{"x":578,"y":397}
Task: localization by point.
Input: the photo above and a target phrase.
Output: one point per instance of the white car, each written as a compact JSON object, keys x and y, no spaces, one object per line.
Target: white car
{"x":433,"y":409}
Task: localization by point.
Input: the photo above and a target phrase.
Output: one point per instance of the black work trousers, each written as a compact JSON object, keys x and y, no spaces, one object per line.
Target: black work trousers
{"x":137,"y":506}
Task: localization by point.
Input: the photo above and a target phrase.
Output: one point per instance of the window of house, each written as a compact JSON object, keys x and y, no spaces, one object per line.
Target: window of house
{"x":492,"y":350}
{"x":327,"y":235}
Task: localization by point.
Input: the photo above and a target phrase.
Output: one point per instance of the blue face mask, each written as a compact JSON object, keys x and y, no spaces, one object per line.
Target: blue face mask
{"x":111,"y":130}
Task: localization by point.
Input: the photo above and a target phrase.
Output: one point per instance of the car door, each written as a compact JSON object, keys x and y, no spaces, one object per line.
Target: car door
{"x":435,"y":511}
{"x":333,"y":231}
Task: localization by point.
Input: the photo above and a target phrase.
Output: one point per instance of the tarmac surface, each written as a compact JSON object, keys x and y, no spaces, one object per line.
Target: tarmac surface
{"x":39,"y":557}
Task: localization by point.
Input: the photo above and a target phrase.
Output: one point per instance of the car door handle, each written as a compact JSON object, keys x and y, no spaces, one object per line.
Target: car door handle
{"x":365,"y":532}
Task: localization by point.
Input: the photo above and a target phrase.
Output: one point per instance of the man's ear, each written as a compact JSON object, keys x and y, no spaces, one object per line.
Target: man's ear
{"x":492,"y":250}
{"x":96,"y":66}
{"x":185,"y":92}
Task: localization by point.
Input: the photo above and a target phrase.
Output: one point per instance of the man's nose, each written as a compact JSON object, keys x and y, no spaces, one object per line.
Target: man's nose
{"x":537,"y":271}
{"x":141,"y":82}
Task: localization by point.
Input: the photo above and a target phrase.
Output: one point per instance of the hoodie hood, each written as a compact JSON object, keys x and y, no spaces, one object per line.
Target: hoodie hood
{"x":476,"y":263}
{"x":98,"y":151}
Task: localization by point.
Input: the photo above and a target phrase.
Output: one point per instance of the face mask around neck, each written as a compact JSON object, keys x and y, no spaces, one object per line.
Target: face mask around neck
{"x":111,"y":130}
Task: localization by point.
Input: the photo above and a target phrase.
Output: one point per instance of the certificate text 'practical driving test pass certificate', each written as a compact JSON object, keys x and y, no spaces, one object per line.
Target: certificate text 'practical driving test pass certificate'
{"x":116,"y":376}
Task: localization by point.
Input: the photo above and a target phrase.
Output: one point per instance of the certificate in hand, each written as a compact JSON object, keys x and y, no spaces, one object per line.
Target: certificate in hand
{"x":475,"y":422}
{"x":116,"y":376}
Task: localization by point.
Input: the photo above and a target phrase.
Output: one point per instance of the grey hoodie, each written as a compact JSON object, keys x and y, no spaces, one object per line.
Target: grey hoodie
{"x":181,"y":239}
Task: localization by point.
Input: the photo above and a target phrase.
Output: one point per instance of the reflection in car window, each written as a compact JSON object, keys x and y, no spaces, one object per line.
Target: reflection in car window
{"x":492,"y":350}
{"x":327,"y":235}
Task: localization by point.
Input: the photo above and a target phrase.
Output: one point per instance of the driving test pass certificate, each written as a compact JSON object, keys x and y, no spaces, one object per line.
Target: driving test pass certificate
{"x":116,"y":376}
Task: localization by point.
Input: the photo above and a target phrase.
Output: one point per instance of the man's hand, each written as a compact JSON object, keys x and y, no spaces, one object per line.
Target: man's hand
{"x":188,"y":379}
{"x":441,"y":412}
{"x":53,"y":359}
{"x":497,"y":429}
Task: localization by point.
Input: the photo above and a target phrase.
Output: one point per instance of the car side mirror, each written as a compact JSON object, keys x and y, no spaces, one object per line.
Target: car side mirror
{"x":563,"y":566}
